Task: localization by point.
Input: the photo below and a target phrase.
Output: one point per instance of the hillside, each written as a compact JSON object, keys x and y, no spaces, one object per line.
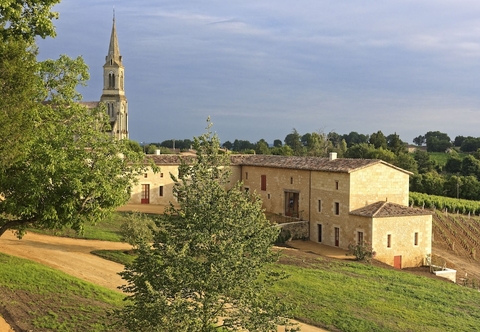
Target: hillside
{"x":456,"y":239}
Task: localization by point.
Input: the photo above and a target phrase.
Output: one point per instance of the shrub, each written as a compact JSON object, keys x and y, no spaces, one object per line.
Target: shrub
{"x":362,"y":252}
{"x":137,"y":229}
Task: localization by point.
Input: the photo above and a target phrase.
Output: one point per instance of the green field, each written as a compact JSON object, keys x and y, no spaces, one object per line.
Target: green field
{"x":441,"y":157}
{"x":338,"y":295}
{"x":43,"y":299}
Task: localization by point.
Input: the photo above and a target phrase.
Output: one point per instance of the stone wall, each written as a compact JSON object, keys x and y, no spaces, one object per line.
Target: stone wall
{"x":299,"y":230}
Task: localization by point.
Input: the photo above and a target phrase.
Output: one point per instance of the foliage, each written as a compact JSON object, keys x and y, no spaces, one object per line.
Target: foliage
{"x":137,"y":228}
{"x":437,"y":141}
{"x":211,"y":258}
{"x":362,"y":251}
{"x":441,"y":203}
{"x":69,"y":170}
{"x":419,"y":140}
{"x":27,"y":19}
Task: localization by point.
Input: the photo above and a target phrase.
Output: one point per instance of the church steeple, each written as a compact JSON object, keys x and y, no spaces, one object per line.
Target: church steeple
{"x":113,"y":87}
{"x":113,"y":55}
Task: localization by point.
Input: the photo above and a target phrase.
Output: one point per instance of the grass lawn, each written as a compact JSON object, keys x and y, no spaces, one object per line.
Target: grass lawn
{"x":43,"y":299}
{"x":350,"y":296}
{"x":441,"y":157}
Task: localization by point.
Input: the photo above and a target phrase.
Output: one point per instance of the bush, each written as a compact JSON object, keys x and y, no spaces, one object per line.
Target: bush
{"x":137,"y":229}
{"x":362,"y":252}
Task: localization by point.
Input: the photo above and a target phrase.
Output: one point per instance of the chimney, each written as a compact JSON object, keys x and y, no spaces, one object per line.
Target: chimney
{"x":157,"y":152}
{"x":333,"y":155}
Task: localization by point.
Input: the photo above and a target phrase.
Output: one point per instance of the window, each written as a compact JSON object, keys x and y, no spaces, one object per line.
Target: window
{"x":291,"y":180}
{"x":264,"y":183}
{"x":246,"y":175}
{"x":389,"y":240}
{"x":415,"y":240}
{"x":336,"y":185}
{"x":160,"y":191}
{"x":268,"y":196}
{"x":247,"y":189}
{"x":359,"y":238}
{"x":145,"y":175}
{"x":319,"y":205}
{"x":320,"y":231}
{"x":337,"y":208}
{"x":161,"y":175}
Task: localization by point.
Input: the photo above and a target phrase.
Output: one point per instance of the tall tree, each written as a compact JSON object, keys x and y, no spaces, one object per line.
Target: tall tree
{"x":293,"y":140}
{"x":68,"y":170}
{"x":378,"y":140}
{"x":437,"y":141}
{"x":419,"y":140}
{"x":210,"y":258}
{"x":73,"y":171}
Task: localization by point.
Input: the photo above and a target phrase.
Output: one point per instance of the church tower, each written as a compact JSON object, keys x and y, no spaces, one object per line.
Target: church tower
{"x":113,"y":94}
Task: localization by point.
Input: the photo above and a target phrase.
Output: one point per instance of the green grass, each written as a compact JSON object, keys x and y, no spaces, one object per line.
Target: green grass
{"x":442,"y":157}
{"x":342,"y":295}
{"x":106,"y":230}
{"x":118,"y":256}
{"x":350,"y":296}
{"x":46,"y":299}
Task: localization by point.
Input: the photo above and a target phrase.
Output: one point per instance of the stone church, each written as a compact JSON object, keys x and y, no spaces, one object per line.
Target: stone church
{"x":113,"y":93}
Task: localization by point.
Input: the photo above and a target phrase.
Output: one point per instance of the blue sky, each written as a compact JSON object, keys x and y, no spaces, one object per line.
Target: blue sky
{"x":261,"y":68}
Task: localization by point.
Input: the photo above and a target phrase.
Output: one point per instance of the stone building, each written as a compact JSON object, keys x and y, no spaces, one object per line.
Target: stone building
{"x":113,"y":93}
{"x":345,"y":201}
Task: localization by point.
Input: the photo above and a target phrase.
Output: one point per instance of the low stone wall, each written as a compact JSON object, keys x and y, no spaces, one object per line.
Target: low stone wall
{"x":299,"y":230}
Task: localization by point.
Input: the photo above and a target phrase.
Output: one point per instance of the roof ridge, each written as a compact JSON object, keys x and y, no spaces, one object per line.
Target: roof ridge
{"x":380,"y":208}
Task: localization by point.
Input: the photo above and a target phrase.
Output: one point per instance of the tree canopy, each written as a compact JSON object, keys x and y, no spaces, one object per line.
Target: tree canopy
{"x":210,"y":257}
{"x":60,"y":166}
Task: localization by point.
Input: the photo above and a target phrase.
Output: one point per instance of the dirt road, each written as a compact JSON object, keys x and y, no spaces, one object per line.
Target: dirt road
{"x":73,"y":256}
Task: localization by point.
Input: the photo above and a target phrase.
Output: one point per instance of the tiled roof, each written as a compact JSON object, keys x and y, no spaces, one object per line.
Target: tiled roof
{"x":387,"y":209}
{"x":89,"y":104}
{"x":170,"y":159}
{"x":341,"y":165}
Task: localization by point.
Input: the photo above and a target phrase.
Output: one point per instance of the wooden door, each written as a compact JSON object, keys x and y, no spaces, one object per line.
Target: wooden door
{"x":145,"y":194}
{"x":397,"y":262}
{"x":337,"y":237}
{"x":291,"y":204}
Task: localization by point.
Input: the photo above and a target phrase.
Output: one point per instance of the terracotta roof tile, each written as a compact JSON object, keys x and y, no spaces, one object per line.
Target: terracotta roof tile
{"x":387,"y":209}
{"x":341,"y":165}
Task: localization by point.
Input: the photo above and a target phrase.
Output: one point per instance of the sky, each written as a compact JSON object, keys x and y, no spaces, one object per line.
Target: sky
{"x":260,"y":68}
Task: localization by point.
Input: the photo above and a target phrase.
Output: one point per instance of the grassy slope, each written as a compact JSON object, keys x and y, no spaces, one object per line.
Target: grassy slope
{"x":43,"y":299}
{"x":349,"y":296}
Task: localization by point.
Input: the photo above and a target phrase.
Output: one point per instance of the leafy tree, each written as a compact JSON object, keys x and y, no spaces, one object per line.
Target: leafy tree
{"x":211,"y":257}
{"x":453,"y":164}
{"x":355,"y":138}
{"x":25,"y":20}
{"x":470,"y":144}
{"x":458,"y":140}
{"x":437,"y":141}
{"x":361,"y":151}
{"x":425,"y":164}
{"x":471,"y":166}
{"x":282,"y":151}
{"x":70,"y":170}
{"x":395,"y":144}
{"x":419,"y":140}
{"x":378,"y":140}
{"x":19,"y":85}
{"x":136,"y":229}
{"x":277,"y":143}
{"x":407,"y":162}
{"x":383,"y":154}
{"x":293,"y":140}
{"x":261,"y":147}
{"x":228,"y":145}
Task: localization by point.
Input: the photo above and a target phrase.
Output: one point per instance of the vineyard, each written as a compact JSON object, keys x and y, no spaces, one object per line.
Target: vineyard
{"x":457,"y":232}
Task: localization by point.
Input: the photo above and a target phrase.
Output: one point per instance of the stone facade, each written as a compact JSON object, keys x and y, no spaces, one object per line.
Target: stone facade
{"x":345,"y":201}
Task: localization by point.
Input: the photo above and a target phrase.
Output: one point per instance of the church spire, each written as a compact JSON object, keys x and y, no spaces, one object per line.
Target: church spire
{"x":113,"y":49}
